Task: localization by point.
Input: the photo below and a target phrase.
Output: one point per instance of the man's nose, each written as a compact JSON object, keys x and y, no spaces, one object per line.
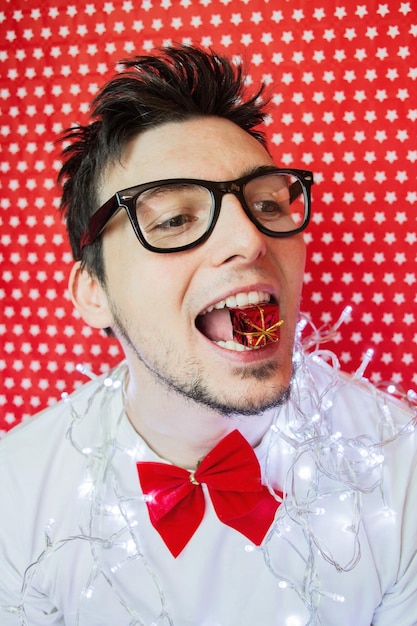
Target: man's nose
{"x":235,"y":236}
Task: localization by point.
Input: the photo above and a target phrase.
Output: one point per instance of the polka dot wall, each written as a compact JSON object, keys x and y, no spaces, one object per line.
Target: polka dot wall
{"x":343,"y":81}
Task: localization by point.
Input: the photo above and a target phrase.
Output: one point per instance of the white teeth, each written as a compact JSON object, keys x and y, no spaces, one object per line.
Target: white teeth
{"x":241,"y":299}
{"x":233,"y":345}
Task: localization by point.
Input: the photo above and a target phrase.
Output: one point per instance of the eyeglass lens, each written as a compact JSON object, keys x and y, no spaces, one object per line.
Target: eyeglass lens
{"x":178,"y":214}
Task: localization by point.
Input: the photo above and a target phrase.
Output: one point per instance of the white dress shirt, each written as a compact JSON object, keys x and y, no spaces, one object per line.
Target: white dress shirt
{"x":77,"y":547}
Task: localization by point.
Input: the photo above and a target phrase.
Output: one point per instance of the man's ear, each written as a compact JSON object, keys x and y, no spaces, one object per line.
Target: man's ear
{"x":89,"y":297}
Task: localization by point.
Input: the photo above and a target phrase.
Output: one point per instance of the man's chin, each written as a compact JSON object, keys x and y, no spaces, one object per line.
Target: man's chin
{"x":250,"y":390}
{"x":246,"y":405}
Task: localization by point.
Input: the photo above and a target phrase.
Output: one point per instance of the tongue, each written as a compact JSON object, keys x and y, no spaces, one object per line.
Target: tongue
{"x":252,"y":326}
{"x":216,"y":325}
{"x":256,"y":325}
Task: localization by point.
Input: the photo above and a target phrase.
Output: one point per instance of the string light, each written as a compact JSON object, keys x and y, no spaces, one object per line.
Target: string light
{"x":365,"y":362}
{"x":83,"y":369}
{"x":302,"y":432}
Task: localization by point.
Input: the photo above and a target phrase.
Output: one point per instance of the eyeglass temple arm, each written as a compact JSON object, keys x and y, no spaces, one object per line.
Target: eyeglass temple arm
{"x":296,"y":190}
{"x":98,"y":218}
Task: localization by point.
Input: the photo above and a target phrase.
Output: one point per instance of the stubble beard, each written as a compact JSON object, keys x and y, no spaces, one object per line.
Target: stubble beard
{"x":193,"y":387}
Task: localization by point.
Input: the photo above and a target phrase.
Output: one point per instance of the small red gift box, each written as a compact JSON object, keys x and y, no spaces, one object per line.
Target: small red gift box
{"x":256,"y":325}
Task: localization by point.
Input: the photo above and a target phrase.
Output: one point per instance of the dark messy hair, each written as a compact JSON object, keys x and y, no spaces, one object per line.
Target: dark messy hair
{"x":175,"y":85}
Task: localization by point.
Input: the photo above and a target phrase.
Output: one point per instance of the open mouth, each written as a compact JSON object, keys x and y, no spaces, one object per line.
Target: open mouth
{"x":245,"y":321}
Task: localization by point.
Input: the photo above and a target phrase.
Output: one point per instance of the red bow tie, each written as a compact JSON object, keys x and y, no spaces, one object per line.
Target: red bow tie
{"x":232,"y":475}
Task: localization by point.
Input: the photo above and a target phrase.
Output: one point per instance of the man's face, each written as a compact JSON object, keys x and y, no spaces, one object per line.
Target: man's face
{"x":158,"y":302}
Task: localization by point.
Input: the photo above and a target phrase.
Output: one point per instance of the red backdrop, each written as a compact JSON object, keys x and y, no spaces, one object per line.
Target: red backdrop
{"x":344,"y":81}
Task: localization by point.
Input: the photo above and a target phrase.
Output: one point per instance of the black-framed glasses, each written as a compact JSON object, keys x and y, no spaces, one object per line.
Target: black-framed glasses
{"x":180,"y":213}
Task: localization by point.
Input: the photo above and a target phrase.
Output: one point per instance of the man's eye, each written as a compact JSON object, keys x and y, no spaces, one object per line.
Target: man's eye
{"x":271,"y":207}
{"x":177,"y":221}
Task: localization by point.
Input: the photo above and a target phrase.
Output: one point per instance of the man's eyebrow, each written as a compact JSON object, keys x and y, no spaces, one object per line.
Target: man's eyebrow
{"x":259,"y":169}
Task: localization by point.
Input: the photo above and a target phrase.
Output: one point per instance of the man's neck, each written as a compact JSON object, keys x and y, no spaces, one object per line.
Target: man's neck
{"x":180,"y":430}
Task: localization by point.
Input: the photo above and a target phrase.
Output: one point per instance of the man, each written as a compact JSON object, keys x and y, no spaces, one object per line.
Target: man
{"x":218,"y":476}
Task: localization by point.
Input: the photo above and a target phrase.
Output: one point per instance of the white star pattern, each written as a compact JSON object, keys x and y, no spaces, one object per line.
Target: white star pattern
{"x":342,"y":81}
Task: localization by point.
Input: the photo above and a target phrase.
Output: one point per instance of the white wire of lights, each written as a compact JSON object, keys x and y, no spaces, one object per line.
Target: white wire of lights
{"x":316,"y":453}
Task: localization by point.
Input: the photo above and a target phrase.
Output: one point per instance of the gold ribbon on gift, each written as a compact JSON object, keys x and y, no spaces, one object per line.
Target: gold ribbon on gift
{"x":260,"y":335}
